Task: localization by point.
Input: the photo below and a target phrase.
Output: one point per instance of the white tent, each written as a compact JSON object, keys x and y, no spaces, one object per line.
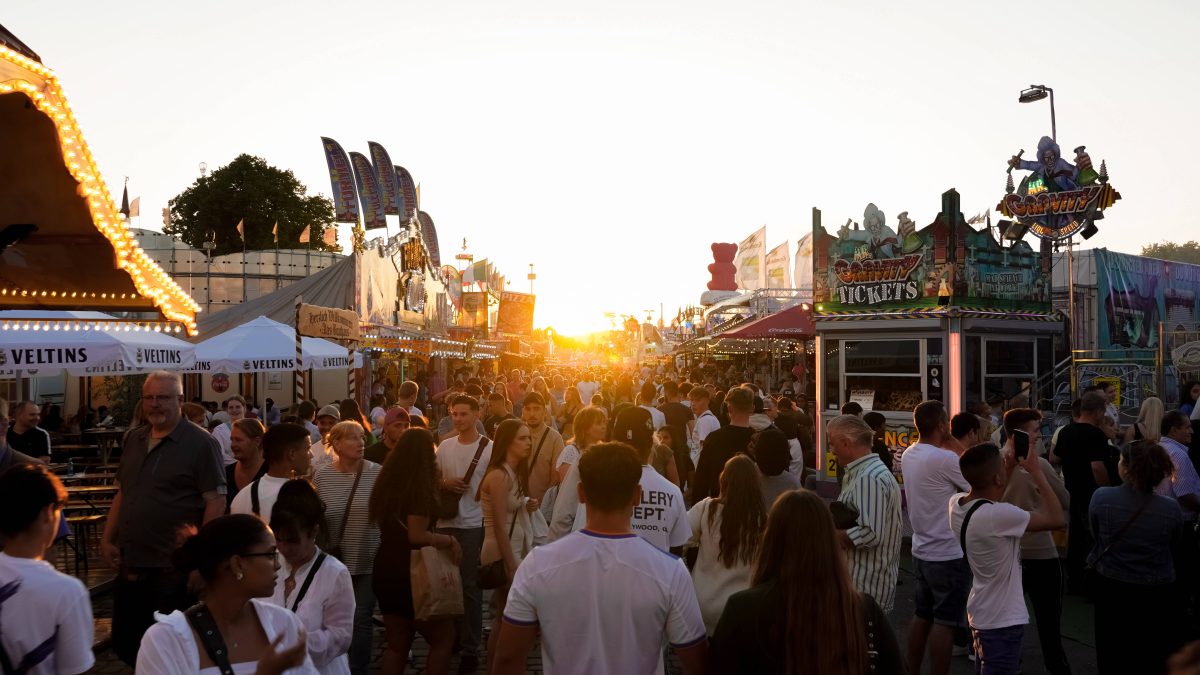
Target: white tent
{"x":35,"y":343}
{"x":262,"y":345}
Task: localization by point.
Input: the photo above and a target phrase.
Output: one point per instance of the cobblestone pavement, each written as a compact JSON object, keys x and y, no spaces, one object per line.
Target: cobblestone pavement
{"x":1077,"y":637}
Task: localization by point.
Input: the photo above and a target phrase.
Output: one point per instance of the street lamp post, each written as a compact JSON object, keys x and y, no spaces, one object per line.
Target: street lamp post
{"x":1037,"y":92}
{"x":208,"y":245}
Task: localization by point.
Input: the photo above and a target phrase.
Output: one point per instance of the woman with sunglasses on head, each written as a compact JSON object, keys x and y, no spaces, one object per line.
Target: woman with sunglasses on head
{"x":235,"y":629}
{"x":803,"y":614}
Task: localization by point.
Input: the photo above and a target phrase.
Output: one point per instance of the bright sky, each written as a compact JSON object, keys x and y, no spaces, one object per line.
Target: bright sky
{"x":609,"y":143}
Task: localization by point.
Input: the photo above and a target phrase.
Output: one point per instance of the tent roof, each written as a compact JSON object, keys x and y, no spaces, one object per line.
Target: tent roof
{"x":795,"y":321}
{"x":331,"y":287}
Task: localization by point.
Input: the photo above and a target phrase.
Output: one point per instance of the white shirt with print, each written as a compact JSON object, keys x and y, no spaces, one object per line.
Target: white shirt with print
{"x":661,"y":518}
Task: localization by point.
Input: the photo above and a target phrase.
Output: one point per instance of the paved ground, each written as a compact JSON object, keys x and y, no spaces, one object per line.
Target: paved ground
{"x":1077,"y":636}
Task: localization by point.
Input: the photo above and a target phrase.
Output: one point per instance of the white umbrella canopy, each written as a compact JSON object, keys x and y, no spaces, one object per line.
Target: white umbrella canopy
{"x":36,"y":343}
{"x":262,"y":345}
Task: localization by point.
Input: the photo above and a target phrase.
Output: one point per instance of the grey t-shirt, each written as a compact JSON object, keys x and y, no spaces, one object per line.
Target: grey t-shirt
{"x":773,"y":486}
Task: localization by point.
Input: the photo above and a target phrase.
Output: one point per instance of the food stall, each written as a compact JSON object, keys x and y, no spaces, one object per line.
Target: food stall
{"x":947,"y":313}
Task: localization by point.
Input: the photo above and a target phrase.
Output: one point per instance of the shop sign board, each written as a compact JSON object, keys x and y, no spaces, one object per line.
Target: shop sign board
{"x":328,"y":323}
{"x":1057,"y":199}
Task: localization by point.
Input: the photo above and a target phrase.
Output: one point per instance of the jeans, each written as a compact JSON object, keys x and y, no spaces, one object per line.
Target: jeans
{"x":998,"y":650}
{"x":470,"y":625}
{"x":1043,"y":583}
{"x":137,"y":594}
{"x":364,"y":629}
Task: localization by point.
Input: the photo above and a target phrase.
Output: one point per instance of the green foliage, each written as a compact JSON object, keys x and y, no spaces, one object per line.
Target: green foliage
{"x":249,"y":189}
{"x":1188,"y":252}
{"x":121,"y":393}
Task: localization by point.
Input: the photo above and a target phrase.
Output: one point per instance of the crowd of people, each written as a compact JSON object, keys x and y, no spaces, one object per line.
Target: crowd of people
{"x":614,"y":521}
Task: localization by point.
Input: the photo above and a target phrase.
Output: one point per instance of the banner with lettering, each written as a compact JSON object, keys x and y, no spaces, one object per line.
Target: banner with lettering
{"x":779,"y":273}
{"x":99,"y":351}
{"x":369,"y":193}
{"x":389,"y":185}
{"x":341,"y":179}
{"x":751,"y":261}
{"x":408,"y":189}
{"x":516,"y":313}
{"x":329,"y":323}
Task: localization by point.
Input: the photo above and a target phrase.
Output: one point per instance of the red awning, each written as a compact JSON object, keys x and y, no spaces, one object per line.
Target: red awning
{"x":793,"y":322}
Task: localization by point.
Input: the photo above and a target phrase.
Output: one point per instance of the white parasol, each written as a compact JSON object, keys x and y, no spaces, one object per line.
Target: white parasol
{"x":262,"y":345}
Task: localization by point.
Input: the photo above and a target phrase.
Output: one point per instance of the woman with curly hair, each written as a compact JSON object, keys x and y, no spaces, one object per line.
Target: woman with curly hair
{"x":404,"y":505}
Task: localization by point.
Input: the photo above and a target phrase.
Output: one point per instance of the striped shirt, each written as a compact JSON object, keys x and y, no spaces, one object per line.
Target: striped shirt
{"x":875,"y":560}
{"x":362,"y":537}
{"x":1185,"y":481}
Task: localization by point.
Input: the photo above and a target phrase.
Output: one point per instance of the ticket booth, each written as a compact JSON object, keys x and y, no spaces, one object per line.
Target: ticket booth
{"x":946,"y":313}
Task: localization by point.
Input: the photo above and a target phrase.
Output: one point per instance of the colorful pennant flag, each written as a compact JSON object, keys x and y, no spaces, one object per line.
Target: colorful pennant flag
{"x":304,"y":235}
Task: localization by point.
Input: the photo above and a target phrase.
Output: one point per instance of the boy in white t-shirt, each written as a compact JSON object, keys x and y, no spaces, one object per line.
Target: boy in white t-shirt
{"x":603,"y":597}
{"x":990,"y":532}
{"x":285,"y":449}
{"x":45,"y":616}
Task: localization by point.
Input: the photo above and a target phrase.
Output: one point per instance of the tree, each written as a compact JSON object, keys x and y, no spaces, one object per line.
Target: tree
{"x":1188,"y":252}
{"x":248,"y":189}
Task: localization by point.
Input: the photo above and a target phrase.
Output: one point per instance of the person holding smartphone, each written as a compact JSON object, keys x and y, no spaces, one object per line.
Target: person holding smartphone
{"x":1041,"y":568}
{"x":990,"y":533}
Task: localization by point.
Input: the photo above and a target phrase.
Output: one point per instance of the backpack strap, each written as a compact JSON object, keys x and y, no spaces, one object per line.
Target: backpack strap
{"x":962,"y":534}
{"x":210,"y":636}
{"x":254,"y":503}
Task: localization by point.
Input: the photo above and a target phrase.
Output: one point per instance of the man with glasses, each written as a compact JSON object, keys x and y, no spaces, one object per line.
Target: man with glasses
{"x":171,"y":477}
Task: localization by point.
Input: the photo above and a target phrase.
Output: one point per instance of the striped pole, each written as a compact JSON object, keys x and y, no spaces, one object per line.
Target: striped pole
{"x":352,"y":377}
{"x":299,"y":356}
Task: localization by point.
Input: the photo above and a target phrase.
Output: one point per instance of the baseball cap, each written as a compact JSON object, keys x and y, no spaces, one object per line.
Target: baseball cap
{"x":330,"y":411}
{"x":396,"y":415}
{"x":634,"y":426}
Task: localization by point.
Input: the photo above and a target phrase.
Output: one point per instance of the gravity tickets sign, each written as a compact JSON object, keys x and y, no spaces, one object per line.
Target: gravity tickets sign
{"x":1057,"y":199}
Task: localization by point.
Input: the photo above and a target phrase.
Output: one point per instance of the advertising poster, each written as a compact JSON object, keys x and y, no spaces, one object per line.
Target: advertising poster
{"x":779,"y":273}
{"x":429,"y":236}
{"x":341,"y":179}
{"x":751,"y":261}
{"x":368,"y":192}
{"x":1137,"y":293}
{"x":516,"y":313}
{"x":475,"y":312}
{"x":408,"y":189}
{"x":389,"y":184}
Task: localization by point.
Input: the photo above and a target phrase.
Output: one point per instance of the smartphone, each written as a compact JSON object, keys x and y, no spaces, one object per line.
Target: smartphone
{"x":1020,"y":444}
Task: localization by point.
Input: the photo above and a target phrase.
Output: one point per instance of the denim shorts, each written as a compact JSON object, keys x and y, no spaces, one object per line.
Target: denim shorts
{"x":942,"y":590}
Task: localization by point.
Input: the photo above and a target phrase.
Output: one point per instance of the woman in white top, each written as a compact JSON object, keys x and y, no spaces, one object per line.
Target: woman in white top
{"x":728,"y":529}
{"x":236,"y":557}
{"x":314,"y":585}
{"x":591,"y":425}
{"x":506,"y":509}
{"x":235,"y":407}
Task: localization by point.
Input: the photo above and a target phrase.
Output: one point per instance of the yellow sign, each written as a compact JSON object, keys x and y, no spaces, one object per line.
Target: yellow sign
{"x":831,"y":464}
{"x":329,"y":323}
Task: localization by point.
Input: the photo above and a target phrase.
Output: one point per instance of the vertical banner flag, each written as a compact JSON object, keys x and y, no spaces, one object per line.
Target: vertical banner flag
{"x":751,"y":261}
{"x":779,"y":273}
{"x":408,"y":189}
{"x":329,"y":235}
{"x":803,"y":277}
{"x":516,"y":313}
{"x":241,"y":229}
{"x":389,"y":184}
{"x":453,"y":285}
{"x":304,"y":235}
{"x":135,"y":207}
{"x":477,"y":273}
{"x":345,"y":202}
{"x":429,"y":236}
{"x":368,"y":192}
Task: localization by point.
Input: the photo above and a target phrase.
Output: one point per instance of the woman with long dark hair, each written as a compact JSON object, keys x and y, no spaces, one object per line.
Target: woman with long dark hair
{"x":803,"y":614}
{"x":351,"y":412}
{"x":1136,"y":599}
{"x":1188,"y":395}
{"x":236,"y":557}
{"x":728,"y":529}
{"x":503,"y":496}
{"x":404,"y":506}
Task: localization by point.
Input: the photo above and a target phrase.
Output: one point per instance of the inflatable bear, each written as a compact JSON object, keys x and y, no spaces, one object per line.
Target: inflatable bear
{"x":724,"y":272}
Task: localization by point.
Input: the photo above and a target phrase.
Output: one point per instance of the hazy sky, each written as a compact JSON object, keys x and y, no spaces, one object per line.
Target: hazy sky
{"x":611,"y":142}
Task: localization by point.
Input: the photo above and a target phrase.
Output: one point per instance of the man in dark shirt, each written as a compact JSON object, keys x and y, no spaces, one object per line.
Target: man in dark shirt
{"x":24,"y":434}
{"x":170,"y":478}
{"x":395,"y":422}
{"x":1085,"y":454}
{"x":678,"y":415}
{"x":497,"y":412}
{"x":722,"y":444}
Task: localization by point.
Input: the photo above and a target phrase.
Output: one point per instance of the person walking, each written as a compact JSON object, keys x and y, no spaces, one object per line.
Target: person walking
{"x":285,"y":450}
{"x":571,"y":406}
{"x":547,"y":445}
{"x":245,"y":440}
{"x":504,"y":498}
{"x":403,"y":505}
{"x":723,"y":443}
{"x":312,"y":584}
{"x":235,"y":409}
{"x":873,"y":544}
{"x":345,"y":486}
{"x":394,"y":423}
{"x":461,"y":459}
{"x":349,"y":411}
{"x":781,"y":624}
{"x":772,"y":453}
{"x":1136,"y":599}
{"x":1086,"y":456}
{"x":727,"y":530}
{"x":603,"y":598}
{"x":171,"y":476}
{"x":236,"y":628}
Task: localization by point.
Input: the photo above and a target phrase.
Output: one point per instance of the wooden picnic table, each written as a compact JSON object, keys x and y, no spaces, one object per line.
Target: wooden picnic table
{"x":106,"y":440}
{"x":86,"y":493}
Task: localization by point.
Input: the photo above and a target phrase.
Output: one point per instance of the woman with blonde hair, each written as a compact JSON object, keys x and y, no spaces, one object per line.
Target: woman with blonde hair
{"x":727,"y":529}
{"x":571,"y":406}
{"x":591,"y":426}
{"x":345,"y":485}
{"x":782,"y":623}
{"x":1149,"y":422}
{"x":246,"y":442}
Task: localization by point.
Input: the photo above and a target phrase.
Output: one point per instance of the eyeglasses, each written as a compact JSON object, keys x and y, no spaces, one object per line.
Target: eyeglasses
{"x":159,"y":399}
{"x":262,"y":554}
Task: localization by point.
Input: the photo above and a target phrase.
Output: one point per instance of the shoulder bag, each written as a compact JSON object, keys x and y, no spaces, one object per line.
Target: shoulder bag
{"x":493,"y":575}
{"x":312,"y":572}
{"x":210,"y":637}
{"x":336,"y":549}
{"x":448,"y":499}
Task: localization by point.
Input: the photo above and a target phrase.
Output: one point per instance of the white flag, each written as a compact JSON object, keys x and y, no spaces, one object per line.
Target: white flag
{"x":803,"y":275}
{"x":304,"y":235}
{"x":779,"y":273}
{"x":751,"y":261}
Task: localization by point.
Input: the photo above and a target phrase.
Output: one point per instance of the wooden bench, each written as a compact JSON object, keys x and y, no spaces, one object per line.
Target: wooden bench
{"x":83,"y":529}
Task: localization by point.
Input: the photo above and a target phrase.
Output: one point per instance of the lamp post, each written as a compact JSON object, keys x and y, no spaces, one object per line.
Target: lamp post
{"x":208,"y":245}
{"x":1037,"y":92}
{"x":532,"y":276}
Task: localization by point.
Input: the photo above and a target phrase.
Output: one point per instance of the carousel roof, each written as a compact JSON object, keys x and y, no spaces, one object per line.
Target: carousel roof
{"x":63,"y":242}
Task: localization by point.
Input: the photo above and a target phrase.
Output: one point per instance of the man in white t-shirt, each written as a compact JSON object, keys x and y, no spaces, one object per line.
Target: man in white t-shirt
{"x":326,"y":418}
{"x":705,"y":422}
{"x":647,"y":399}
{"x":286,"y":452}
{"x":990,"y":533}
{"x":406,"y":397}
{"x":46,"y":615}
{"x":466,"y":453}
{"x":943,"y":578}
{"x":587,"y":388}
{"x":602,"y":597}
